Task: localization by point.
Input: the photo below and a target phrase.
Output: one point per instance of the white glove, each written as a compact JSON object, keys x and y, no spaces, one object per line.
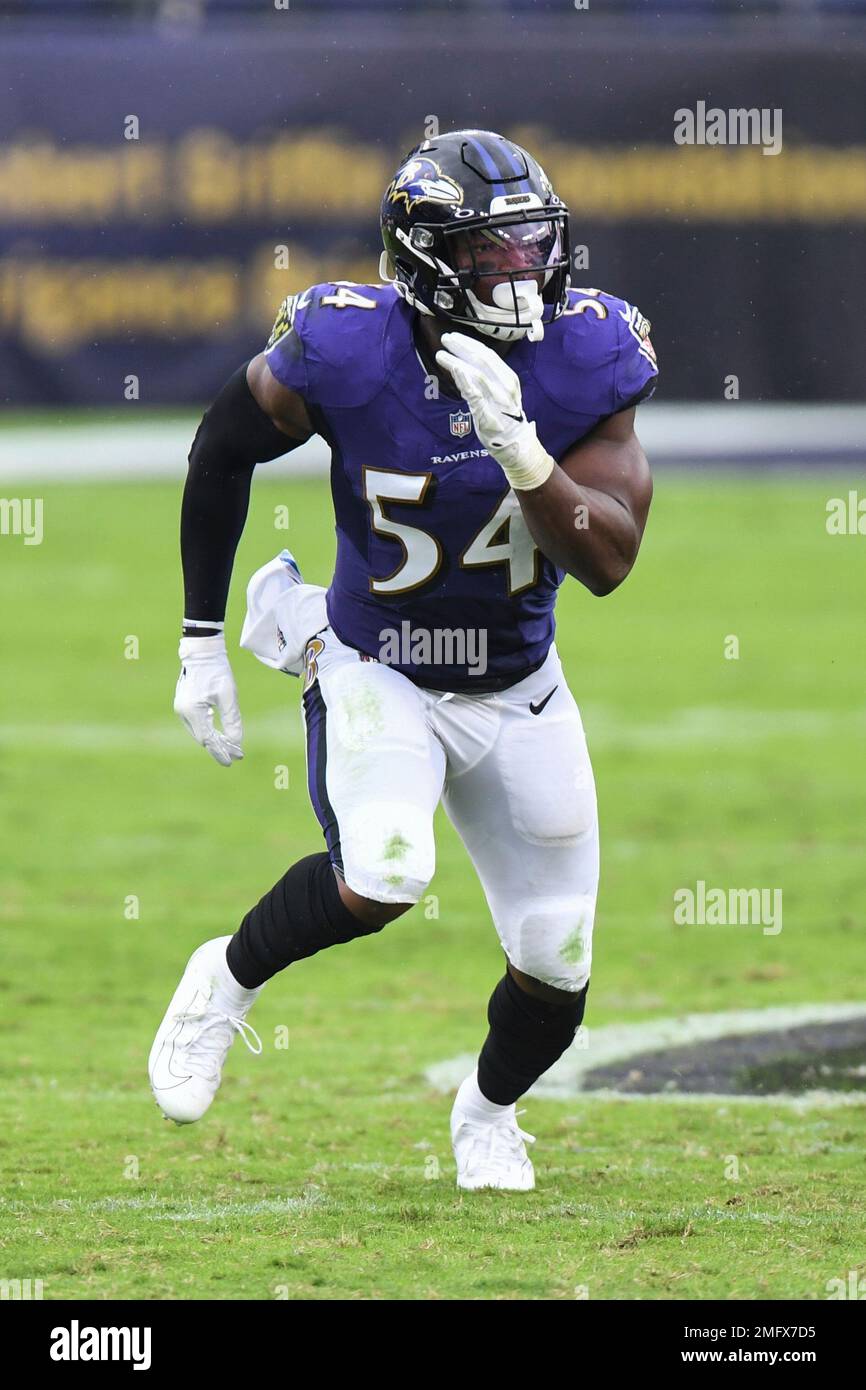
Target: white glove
{"x":206,"y":684}
{"x":492,"y":392}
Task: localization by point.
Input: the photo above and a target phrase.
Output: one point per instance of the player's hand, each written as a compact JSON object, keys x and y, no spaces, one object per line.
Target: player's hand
{"x":206,"y":684}
{"x":492,"y":391}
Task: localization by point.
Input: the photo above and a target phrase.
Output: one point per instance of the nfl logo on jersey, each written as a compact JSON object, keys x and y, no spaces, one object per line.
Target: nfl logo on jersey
{"x":461,"y":423}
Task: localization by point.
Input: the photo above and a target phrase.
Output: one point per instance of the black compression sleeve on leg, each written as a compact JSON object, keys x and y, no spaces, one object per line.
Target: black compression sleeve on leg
{"x":302,"y":914}
{"x":527,"y":1035}
{"x":234,"y":435}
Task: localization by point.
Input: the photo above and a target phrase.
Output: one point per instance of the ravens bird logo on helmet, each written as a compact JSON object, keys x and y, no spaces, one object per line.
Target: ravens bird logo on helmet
{"x":422,"y":181}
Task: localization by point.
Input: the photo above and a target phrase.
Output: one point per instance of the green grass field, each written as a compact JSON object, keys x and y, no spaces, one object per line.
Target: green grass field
{"x":308,"y":1179}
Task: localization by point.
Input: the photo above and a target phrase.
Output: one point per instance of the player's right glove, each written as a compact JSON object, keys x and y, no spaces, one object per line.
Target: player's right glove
{"x":492,"y":391}
{"x":206,"y":684}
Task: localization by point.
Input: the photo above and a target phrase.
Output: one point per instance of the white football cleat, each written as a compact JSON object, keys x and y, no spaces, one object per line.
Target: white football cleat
{"x":207,"y":1009}
{"x":491,"y":1153}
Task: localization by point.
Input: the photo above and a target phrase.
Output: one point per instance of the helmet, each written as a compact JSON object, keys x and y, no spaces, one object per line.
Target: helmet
{"x":475,"y":234}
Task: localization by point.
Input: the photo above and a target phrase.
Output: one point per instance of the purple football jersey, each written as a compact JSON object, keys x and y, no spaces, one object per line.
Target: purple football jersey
{"x":436,"y":571}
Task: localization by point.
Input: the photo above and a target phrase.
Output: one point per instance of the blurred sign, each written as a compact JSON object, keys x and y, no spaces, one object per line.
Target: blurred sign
{"x":160,"y":194}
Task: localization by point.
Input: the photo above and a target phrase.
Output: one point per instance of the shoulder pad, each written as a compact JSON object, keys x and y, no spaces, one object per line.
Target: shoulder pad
{"x":602,"y":356}
{"x":329,"y":342}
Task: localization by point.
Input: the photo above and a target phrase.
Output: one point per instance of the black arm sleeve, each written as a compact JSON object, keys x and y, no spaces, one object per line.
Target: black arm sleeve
{"x":234,"y":435}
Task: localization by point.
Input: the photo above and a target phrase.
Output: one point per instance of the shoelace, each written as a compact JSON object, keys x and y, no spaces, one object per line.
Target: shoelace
{"x":501,"y":1135}
{"x":240,"y":1025}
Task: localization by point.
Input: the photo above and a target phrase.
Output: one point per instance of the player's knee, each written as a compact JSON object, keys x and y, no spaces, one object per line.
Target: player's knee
{"x":539,"y":990}
{"x":373,"y":914}
{"x":389,"y":853}
{"x":554,"y":943}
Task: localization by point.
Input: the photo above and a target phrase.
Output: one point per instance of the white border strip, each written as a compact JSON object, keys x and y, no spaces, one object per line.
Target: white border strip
{"x":144,"y":447}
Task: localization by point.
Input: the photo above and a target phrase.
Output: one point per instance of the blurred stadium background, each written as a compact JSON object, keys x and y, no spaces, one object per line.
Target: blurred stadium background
{"x":170,"y":169}
{"x":168,"y":173}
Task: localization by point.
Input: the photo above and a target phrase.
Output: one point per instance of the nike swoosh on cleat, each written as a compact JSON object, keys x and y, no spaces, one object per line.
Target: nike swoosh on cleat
{"x":172,"y":1078}
{"x":536,"y":709}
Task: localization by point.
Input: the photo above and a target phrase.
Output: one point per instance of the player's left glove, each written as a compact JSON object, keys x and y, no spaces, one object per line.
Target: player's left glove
{"x":492,"y":391}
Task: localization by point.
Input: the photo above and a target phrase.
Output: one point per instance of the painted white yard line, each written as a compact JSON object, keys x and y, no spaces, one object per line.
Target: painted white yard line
{"x":713,"y":725}
{"x":617,"y":1042}
{"x":280,"y":729}
{"x":207,"y":1211}
{"x":698,"y":726}
{"x":188,"y":1209}
{"x":467,"y":1061}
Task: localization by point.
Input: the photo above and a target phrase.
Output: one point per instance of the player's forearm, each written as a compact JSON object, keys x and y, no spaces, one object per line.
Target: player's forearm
{"x":590,"y":534}
{"x":213,"y":513}
{"x":234,"y":435}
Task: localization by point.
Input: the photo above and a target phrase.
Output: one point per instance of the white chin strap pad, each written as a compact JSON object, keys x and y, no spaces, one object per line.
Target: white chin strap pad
{"x":529,"y":301}
{"x":499,"y":321}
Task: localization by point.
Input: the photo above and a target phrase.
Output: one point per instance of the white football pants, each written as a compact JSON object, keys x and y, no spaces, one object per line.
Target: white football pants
{"x":517,"y":786}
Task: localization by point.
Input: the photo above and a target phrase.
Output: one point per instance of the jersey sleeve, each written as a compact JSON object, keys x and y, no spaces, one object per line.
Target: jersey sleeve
{"x":285,"y":350}
{"x":636,"y":367}
{"x":328,"y":343}
{"x":597,"y":359}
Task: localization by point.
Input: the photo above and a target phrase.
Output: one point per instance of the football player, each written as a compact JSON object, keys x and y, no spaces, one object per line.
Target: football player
{"x":480,"y":414}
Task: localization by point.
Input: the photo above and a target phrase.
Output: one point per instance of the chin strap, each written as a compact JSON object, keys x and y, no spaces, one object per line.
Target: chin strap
{"x":520,"y":298}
